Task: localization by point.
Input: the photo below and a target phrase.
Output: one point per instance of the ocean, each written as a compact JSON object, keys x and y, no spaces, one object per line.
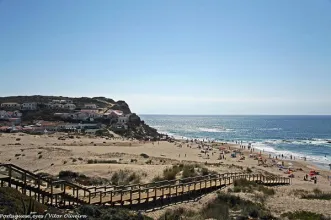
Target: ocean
{"x":300,"y":136}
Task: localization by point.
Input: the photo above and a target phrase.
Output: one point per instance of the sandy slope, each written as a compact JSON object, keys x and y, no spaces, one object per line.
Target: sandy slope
{"x":47,"y":153}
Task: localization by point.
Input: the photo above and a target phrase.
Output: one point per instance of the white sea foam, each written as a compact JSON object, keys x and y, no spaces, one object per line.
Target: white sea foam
{"x":215,"y":130}
{"x":269,"y":149}
{"x":270,"y":129}
{"x":157,"y":126}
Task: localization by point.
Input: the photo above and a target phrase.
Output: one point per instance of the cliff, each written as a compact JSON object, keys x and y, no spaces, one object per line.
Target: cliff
{"x":138,"y":129}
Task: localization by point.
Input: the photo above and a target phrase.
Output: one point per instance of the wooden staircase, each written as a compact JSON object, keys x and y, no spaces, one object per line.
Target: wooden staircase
{"x":63,"y":193}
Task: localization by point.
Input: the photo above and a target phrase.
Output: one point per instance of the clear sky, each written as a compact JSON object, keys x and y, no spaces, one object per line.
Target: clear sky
{"x":172,"y":56}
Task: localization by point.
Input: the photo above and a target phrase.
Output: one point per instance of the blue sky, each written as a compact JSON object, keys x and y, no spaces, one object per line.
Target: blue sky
{"x":172,"y":57}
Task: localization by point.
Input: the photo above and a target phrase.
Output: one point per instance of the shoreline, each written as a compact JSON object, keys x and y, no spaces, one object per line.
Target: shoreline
{"x":299,"y":157}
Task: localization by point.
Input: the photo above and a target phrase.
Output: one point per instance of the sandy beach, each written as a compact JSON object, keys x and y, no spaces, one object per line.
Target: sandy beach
{"x":58,"y":152}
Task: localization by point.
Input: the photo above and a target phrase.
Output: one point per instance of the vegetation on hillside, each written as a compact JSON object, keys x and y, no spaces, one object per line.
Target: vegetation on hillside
{"x":185,"y":171}
{"x":303,"y":215}
{"x":13,"y":202}
{"x":224,"y":207}
{"x":106,"y":213}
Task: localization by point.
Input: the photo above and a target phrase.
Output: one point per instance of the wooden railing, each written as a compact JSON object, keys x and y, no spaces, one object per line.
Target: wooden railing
{"x":126,"y":193}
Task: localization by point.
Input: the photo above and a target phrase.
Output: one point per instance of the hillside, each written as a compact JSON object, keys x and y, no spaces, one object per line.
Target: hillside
{"x":136,"y":127}
{"x":102,"y":102}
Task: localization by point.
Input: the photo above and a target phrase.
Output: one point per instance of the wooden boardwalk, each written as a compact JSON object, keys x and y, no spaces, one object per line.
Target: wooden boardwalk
{"x":62,"y":193}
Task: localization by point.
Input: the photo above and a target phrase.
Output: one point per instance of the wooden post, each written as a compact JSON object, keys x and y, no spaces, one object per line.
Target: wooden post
{"x":189,"y":189}
{"x":162,"y":192}
{"x":24,"y":187}
{"x":147,"y":198}
{"x":130,"y":197}
{"x":121,"y":197}
{"x":9,"y":174}
{"x":38,"y":188}
{"x":139,"y":195}
{"x":101,"y":198}
{"x":210,"y":181}
{"x":176,"y":190}
{"x":52,"y":193}
{"x":89,"y":198}
{"x":154,"y":194}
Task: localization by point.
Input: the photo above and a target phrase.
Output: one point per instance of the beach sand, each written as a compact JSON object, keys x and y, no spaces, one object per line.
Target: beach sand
{"x":53,"y":153}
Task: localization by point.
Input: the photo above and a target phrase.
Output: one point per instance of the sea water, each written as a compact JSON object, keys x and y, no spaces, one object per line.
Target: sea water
{"x":299,"y":136}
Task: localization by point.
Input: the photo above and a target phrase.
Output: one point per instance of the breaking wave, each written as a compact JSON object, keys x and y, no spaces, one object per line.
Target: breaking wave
{"x":215,"y":130}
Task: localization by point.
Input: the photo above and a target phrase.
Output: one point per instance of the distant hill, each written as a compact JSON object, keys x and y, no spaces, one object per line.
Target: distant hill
{"x":102,"y":102}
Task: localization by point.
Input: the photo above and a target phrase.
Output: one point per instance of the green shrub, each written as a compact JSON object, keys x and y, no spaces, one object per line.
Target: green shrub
{"x":321,"y":196}
{"x":95,"y":161}
{"x":317,"y":191}
{"x":67,"y":174}
{"x":170,"y":174}
{"x":249,"y":170}
{"x":125,"y":177}
{"x":188,"y":171}
{"x":204,"y":171}
{"x":176,"y":214}
{"x":144,"y":155}
{"x":303,"y":215}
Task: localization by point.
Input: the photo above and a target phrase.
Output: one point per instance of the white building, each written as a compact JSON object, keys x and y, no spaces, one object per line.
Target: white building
{"x":69,"y":106}
{"x":15,"y":114}
{"x":11,"y":105}
{"x":29,"y":106}
{"x":90,"y":106}
{"x":123,"y":119}
{"x":3,"y":114}
{"x":7,"y":115}
{"x":57,"y":106}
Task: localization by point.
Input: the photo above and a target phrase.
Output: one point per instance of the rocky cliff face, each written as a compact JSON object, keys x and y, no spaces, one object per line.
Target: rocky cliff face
{"x":139,"y":130}
{"x":121,"y":105}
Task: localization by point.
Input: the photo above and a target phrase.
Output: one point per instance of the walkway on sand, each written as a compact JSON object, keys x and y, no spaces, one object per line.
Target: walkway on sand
{"x":62,"y":193}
